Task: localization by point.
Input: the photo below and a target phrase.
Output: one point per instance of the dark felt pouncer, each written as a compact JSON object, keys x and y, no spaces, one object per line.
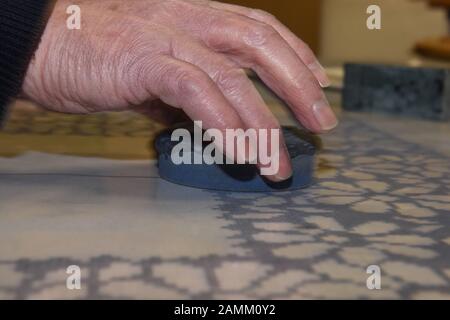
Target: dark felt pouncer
{"x":418,"y":92}
{"x":239,"y":178}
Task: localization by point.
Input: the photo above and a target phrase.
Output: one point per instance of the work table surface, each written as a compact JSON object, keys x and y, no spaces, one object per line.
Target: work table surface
{"x":84,"y":190}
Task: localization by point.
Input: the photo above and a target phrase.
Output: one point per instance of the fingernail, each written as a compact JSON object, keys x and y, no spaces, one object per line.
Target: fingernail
{"x":325,"y":115}
{"x":321,"y":74}
{"x":279,"y":177}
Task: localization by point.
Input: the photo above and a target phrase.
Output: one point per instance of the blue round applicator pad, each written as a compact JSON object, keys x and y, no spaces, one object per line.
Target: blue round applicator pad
{"x":234,"y":177}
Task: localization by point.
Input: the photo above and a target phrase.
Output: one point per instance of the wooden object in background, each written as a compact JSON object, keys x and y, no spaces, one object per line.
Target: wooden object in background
{"x":440,"y":3}
{"x":437,"y":47}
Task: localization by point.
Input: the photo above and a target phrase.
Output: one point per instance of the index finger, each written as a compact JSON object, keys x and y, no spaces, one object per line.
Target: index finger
{"x":300,"y":47}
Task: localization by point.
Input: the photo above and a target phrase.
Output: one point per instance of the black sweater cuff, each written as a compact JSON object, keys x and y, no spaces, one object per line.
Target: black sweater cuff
{"x":22,"y":23}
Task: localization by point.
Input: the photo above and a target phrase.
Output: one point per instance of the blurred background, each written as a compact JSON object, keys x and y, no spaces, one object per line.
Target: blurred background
{"x":336,"y":29}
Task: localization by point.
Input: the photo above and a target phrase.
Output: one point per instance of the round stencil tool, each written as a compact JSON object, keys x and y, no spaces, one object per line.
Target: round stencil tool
{"x":235,"y":177}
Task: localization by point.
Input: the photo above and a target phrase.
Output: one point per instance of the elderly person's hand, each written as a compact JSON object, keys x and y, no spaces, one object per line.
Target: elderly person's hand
{"x":186,"y":54}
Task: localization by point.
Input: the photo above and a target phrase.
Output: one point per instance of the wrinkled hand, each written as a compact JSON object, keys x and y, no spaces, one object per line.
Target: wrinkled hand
{"x":187,"y":54}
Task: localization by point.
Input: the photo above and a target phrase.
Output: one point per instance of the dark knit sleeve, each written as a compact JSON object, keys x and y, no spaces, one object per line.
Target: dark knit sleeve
{"x":22,"y":23}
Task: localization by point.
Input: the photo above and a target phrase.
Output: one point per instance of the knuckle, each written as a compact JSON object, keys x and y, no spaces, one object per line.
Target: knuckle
{"x":230,"y":77}
{"x":304,"y":81}
{"x":259,"y":34}
{"x":189,"y":82}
